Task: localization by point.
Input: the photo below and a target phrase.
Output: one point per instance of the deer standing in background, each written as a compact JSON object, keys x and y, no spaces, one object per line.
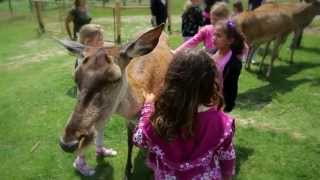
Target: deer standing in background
{"x":263,"y":26}
{"x":274,"y":22}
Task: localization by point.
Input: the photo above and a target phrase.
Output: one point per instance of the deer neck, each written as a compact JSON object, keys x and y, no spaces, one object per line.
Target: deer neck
{"x":127,"y":103}
{"x":307,"y":13}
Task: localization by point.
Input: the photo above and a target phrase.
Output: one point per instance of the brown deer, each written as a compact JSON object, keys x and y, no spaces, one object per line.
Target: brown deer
{"x":301,"y":14}
{"x":111,"y":81}
{"x":284,"y":18}
{"x":263,"y":26}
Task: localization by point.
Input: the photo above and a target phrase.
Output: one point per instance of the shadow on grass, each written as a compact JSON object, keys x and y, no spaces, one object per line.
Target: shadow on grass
{"x":72,"y":92}
{"x":103,"y":171}
{"x":257,"y":98}
{"x":242,"y":154}
{"x":310,"y":49}
{"x":140,"y":169}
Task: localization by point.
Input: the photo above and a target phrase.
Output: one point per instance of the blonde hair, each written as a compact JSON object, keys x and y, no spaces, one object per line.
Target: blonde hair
{"x":220,"y":9}
{"x":89,"y":31}
{"x":187,"y":5}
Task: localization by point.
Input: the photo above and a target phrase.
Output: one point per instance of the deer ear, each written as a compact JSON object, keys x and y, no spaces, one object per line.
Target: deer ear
{"x":144,"y":44}
{"x":72,"y":46}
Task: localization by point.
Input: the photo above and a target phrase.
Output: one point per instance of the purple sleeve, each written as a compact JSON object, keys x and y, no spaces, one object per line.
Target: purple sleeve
{"x":139,"y":138}
{"x":227,"y":156}
{"x":194,"y":41}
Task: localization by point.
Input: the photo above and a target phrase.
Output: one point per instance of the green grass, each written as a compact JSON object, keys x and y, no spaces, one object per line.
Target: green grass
{"x":277,"y":118}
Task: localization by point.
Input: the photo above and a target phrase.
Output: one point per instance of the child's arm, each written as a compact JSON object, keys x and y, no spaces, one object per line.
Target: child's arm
{"x":146,"y":112}
{"x":193,"y":42}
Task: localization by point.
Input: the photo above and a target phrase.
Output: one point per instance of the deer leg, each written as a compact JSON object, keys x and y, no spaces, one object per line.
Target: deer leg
{"x":296,"y":41}
{"x":248,"y":59}
{"x":275,"y":52}
{"x":294,"y":44}
{"x":263,"y":58}
{"x":299,"y":39}
{"x":129,"y":156}
{"x":250,"y":56}
{"x":266,"y":51}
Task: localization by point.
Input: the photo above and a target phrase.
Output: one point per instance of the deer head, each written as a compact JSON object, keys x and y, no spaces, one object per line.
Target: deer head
{"x":315,"y":5}
{"x":101,"y":81}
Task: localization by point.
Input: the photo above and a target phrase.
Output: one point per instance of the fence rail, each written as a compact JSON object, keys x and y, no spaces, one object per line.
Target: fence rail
{"x":117,"y":7}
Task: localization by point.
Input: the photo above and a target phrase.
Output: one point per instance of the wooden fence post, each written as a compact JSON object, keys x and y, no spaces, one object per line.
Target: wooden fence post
{"x":169,"y":16}
{"x":30,"y":5}
{"x":117,"y":10}
{"x":37,"y":6}
{"x":62,"y":11}
{"x":10,"y":7}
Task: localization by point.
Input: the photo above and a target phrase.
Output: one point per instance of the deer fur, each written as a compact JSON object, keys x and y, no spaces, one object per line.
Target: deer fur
{"x":274,"y":22}
{"x":111,"y":81}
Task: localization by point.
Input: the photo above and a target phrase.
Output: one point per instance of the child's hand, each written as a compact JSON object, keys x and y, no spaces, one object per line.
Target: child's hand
{"x":148,"y":97}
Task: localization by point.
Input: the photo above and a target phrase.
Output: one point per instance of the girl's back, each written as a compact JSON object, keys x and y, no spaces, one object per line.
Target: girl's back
{"x":210,"y":148}
{"x":185,"y":131}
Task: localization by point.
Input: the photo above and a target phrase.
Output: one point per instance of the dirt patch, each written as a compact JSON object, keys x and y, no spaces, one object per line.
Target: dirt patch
{"x":17,"y":61}
{"x":269,"y":127}
{"x":313,"y":30}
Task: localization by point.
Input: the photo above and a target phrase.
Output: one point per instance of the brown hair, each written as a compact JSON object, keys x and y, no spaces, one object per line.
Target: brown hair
{"x":89,"y":31}
{"x":77,"y":3}
{"x":220,"y":9}
{"x":238,"y":6}
{"x":189,"y":82}
{"x":230,"y":30}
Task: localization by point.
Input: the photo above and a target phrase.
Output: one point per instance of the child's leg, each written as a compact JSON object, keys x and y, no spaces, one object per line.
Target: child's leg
{"x":100,"y":150}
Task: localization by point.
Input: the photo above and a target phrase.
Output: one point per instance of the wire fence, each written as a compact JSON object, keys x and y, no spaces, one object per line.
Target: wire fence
{"x":130,"y":18}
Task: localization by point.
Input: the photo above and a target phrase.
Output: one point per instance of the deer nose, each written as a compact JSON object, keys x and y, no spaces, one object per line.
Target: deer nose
{"x":68,"y":147}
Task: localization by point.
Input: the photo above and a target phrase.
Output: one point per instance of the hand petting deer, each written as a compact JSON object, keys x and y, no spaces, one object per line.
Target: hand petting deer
{"x":274,"y":22}
{"x":111,"y":81}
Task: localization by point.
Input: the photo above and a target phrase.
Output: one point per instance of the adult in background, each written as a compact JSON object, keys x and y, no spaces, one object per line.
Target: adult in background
{"x":79,"y":16}
{"x":159,"y":11}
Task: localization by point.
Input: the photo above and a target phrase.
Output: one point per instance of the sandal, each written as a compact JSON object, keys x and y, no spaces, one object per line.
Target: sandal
{"x":81,"y":166}
{"x":105,"y":152}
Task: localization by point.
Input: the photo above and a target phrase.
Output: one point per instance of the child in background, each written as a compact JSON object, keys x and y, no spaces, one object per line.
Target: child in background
{"x":191,"y":19}
{"x":230,"y":46}
{"x":91,"y":35}
{"x":207,"y":8}
{"x":237,"y":8}
{"x":219,"y":11}
{"x":184,"y":130}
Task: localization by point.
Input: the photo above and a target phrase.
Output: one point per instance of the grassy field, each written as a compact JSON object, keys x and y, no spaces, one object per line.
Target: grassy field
{"x":277,"y":118}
